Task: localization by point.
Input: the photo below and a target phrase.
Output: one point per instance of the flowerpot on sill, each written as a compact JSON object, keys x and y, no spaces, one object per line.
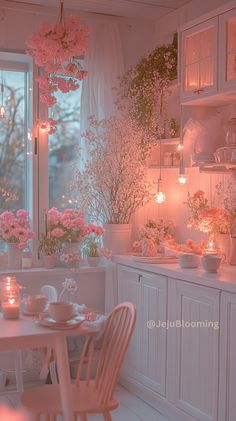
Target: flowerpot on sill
{"x":49,"y":262}
{"x":14,"y":255}
{"x":93,"y":261}
{"x":71,"y":248}
{"x":224,"y":243}
{"x":117,"y":238}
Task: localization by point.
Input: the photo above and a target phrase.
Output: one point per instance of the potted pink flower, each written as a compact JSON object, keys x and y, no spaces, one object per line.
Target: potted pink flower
{"x":92,"y":247}
{"x":15,"y":231}
{"x":68,"y":228}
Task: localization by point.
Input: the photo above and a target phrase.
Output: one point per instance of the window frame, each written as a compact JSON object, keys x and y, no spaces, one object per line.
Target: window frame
{"x":36,"y":175}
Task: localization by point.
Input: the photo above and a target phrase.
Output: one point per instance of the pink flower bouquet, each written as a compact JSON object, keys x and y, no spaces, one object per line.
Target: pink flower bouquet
{"x":68,"y":226}
{"x":15,"y":227}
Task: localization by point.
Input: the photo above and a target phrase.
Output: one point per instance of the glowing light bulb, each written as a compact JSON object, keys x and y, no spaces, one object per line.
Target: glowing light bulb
{"x":182,"y":179}
{"x":180,"y":147}
{"x":2,"y":111}
{"x":160,"y":197}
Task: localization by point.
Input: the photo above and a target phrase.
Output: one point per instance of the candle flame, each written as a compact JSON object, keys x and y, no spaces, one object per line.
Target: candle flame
{"x":11,"y":300}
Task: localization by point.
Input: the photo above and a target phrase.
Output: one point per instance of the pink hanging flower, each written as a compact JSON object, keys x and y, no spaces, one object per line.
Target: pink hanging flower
{"x":56,"y":48}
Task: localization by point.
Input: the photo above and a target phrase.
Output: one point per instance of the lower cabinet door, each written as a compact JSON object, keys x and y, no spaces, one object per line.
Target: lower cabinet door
{"x":227,"y":395}
{"x":146,"y":357}
{"x":193,"y":349}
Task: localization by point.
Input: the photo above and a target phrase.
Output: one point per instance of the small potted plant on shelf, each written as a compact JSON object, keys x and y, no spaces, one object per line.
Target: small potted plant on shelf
{"x":92,"y":248}
{"x":15,"y":231}
{"x":49,"y":247}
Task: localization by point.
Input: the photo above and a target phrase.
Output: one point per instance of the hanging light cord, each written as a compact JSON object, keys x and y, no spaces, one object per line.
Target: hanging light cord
{"x":160,"y":161}
{"x":61,"y":17}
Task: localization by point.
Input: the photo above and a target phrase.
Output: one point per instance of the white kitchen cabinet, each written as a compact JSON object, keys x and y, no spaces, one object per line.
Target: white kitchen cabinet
{"x":199,"y":56}
{"x":193,"y":351}
{"x":227,"y":398}
{"x":146,"y":357}
{"x":227,"y":50}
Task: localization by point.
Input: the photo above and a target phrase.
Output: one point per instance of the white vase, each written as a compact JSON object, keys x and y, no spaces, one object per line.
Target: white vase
{"x":71,"y":248}
{"x":117,"y":238}
{"x":224,"y":243}
{"x":49,"y":262}
{"x":232,"y":257}
{"x":93,"y":261}
{"x":14,"y":255}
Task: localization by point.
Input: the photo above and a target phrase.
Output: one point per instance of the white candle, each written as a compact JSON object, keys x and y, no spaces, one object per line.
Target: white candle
{"x":11,"y":311}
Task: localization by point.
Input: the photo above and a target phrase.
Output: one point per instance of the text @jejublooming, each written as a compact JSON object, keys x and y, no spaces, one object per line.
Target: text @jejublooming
{"x":173,"y":324}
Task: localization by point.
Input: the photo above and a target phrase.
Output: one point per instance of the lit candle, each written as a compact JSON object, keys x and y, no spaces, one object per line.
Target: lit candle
{"x":10,"y":297}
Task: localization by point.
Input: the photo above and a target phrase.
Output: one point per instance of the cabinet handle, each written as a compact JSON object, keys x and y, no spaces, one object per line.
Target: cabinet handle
{"x":140,"y":277}
{"x":198,"y":91}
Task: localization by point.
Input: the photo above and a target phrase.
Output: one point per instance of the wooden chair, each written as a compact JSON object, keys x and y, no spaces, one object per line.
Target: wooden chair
{"x":91,"y":395}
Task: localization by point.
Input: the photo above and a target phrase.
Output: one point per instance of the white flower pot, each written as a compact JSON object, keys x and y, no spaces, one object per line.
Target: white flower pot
{"x":93,"y":261}
{"x":223,"y":241}
{"x":14,"y":255}
{"x":49,"y":262}
{"x":71,"y":248}
{"x":117,"y":237}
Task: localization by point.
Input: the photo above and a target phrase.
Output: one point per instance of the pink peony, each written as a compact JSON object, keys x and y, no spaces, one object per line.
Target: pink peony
{"x":57,"y":233}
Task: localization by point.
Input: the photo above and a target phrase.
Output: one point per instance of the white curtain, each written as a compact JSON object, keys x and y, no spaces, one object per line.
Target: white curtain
{"x":104,"y":62}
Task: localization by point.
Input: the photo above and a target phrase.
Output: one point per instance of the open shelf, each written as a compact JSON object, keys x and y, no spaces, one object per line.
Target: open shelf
{"x":217,"y":168}
{"x":169,"y":141}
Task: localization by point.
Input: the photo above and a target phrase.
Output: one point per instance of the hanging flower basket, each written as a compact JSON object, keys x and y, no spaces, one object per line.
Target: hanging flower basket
{"x":56,"y":48}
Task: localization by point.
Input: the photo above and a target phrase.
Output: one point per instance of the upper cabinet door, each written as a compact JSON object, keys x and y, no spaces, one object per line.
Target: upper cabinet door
{"x":227,"y":54}
{"x":199,"y":60}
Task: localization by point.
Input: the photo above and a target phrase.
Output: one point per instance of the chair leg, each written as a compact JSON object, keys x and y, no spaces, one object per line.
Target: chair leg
{"x":107,"y":416}
{"x":83,"y":417}
{"x":37,"y":417}
{"x":53,"y":417}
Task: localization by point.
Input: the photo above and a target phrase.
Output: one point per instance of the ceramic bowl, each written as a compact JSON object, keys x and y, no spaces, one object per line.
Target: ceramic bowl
{"x":211,"y":262}
{"x":61,"y":311}
{"x":189,"y":261}
{"x":35,"y":303}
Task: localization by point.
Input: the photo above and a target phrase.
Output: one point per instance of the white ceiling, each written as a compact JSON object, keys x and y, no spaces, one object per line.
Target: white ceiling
{"x":146,"y":9}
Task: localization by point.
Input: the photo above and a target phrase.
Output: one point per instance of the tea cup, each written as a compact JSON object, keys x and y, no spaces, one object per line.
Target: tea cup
{"x":211,"y":262}
{"x":61,"y":311}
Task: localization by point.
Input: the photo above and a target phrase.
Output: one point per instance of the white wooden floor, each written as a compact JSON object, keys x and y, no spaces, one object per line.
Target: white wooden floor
{"x":131,"y":408}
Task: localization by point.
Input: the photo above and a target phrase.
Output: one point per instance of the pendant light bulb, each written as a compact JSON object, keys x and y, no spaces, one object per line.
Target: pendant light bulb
{"x":180,"y":147}
{"x":2,"y":112}
{"x":160,"y":196}
{"x":182,"y":179}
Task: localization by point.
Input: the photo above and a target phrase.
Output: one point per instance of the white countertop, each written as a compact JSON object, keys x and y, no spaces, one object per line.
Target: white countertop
{"x":224,"y":279}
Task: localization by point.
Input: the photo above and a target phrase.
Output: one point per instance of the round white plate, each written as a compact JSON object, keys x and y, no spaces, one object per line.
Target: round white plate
{"x":155,"y":259}
{"x":69,"y":324}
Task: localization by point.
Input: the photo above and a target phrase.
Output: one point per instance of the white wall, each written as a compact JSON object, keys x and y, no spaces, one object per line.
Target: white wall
{"x":18,"y":22}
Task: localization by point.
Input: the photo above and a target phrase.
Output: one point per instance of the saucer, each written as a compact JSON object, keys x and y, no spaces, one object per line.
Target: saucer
{"x":69,"y":324}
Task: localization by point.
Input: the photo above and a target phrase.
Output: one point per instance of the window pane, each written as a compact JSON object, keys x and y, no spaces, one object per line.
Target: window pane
{"x":13,"y":139}
{"x":64,"y":149}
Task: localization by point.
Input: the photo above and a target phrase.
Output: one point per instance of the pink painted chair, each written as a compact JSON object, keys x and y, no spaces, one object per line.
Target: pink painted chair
{"x":90,"y":395}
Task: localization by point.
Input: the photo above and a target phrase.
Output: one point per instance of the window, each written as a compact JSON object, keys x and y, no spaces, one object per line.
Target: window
{"x":36,"y":170}
{"x":64,"y":149}
{"x":14,"y":136}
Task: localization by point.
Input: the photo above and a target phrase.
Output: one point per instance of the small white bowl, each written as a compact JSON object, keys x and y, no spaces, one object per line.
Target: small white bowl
{"x":189,"y":261}
{"x":211,"y":263}
{"x":61,"y":311}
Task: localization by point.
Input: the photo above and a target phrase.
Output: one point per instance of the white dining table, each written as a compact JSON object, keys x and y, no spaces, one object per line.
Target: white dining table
{"x":25,"y":332}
